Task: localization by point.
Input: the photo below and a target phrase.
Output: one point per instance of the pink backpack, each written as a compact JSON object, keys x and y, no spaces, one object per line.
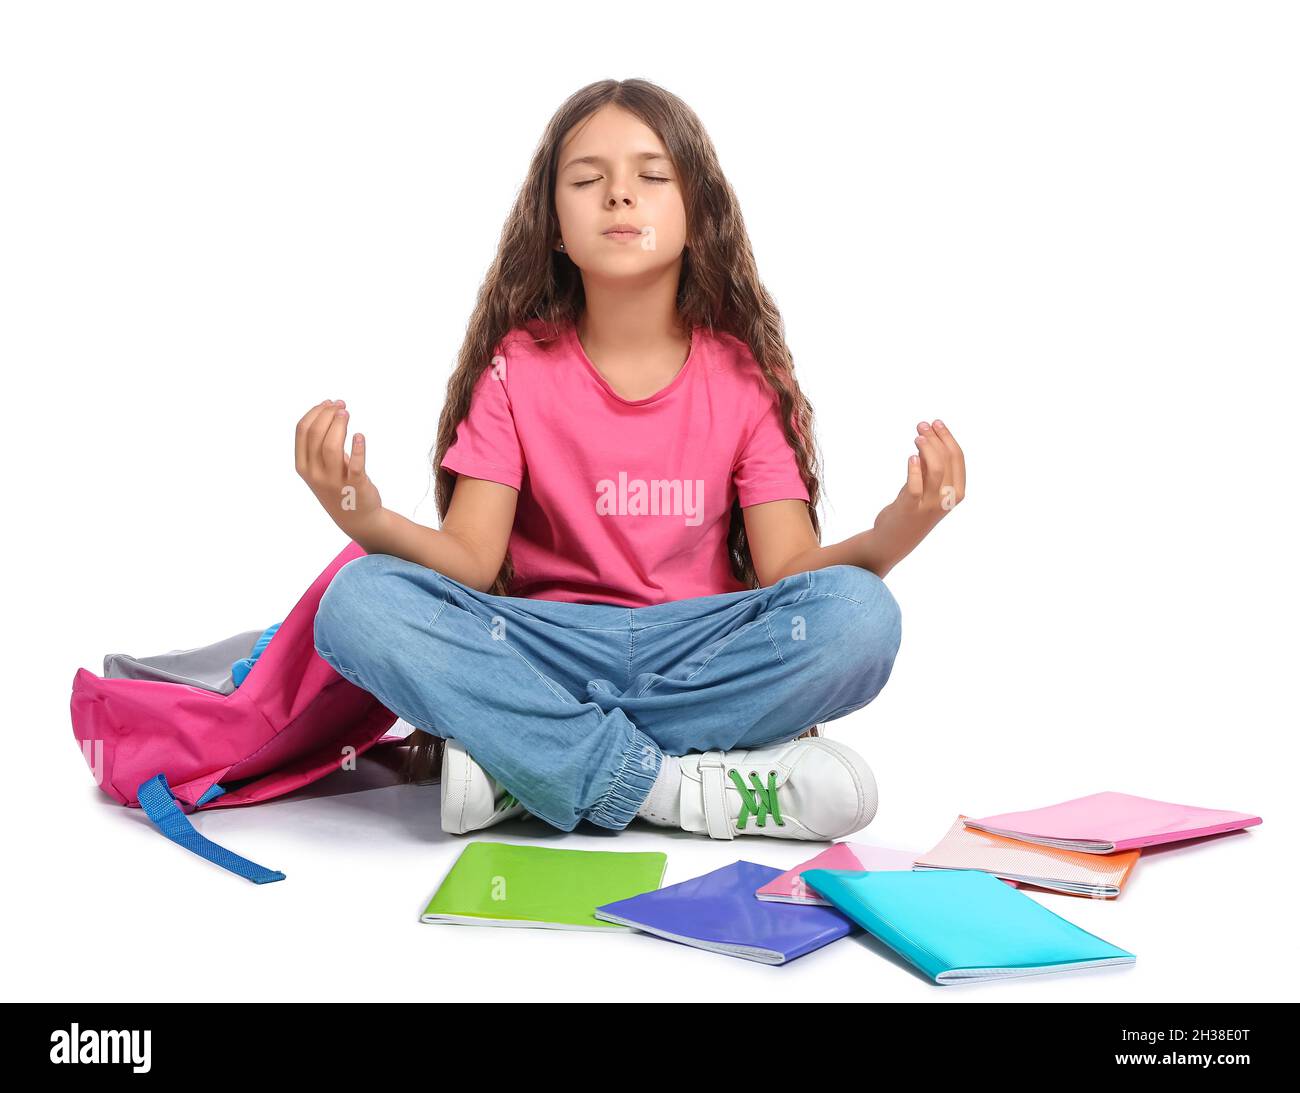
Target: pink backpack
{"x":170,"y":748}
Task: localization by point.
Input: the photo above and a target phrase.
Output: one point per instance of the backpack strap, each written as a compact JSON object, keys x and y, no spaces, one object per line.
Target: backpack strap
{"x":209,"y":794}
{"x":155,"y":797}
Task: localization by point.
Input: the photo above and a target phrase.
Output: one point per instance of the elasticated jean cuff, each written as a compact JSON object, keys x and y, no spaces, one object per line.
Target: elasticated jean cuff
{"x":631,"y":785}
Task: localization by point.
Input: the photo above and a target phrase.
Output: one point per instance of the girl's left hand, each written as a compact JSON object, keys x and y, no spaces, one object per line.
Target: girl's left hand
{"x":936,"y":484}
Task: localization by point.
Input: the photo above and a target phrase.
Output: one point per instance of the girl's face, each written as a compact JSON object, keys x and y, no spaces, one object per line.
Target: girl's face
{"x":611,"y":170}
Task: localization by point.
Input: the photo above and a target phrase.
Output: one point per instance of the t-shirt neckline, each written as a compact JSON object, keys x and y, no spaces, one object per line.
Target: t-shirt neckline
{"x":576,"y":344}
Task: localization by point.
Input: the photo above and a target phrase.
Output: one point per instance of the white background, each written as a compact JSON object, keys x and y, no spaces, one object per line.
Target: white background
{"x":1069,"y":230}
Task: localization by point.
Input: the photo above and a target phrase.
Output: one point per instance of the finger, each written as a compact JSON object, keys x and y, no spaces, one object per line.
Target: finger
{"x":300,"y":435}
{"x":942,"y":480}
{"x":332,"y":445}
{"x":316,"y":436}
{"x":956,"y":458}
{"x":933,"y":462}
{"x":357,"y":462}
{"x":915,"y":482}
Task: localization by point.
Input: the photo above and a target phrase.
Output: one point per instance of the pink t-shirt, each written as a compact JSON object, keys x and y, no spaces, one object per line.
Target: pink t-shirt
{"x":624,"y":501}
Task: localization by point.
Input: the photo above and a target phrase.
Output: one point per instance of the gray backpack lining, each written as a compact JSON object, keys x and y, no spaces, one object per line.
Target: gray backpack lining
{"x":207,"y":666}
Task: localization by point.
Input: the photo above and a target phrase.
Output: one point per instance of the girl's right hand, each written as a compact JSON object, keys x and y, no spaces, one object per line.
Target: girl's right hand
{"x":339,"y":482}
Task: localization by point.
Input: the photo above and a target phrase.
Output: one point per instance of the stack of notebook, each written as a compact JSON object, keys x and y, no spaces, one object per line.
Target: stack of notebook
{"x":954,"y":912}
{"x":1065,"y":871}
{"x":1086,"y":846}
{"x":952,"y":918}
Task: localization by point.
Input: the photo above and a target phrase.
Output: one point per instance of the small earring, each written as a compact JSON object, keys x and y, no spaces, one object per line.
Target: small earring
{"x":561,"y":246}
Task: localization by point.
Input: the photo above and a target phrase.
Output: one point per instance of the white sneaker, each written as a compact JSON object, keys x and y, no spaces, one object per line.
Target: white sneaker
{"x":471,"y":798}
{"x":810,"y":788}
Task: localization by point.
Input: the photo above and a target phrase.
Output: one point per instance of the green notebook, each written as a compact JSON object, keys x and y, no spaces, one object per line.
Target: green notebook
{"x":501,"y":884}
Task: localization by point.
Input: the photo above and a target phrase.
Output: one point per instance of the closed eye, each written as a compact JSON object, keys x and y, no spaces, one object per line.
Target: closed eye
{"x":648,"y":178}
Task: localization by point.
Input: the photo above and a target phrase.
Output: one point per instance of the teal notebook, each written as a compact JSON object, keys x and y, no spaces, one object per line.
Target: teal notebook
{"x":962,"y":924}
{"x":508,"y":884}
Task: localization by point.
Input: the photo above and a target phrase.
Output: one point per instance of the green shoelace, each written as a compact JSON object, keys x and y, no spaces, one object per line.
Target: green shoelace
{"x":759,"y":802}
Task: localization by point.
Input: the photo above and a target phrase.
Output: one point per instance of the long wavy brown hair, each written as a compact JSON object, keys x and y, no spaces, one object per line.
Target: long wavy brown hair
{"x":531,"y":283}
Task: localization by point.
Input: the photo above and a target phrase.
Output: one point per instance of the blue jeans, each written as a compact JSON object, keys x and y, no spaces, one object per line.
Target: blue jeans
{"x":571,"y":707}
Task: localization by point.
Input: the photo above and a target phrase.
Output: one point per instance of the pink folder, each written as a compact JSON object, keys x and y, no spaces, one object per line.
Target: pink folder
{"x":789,"y":887}
{"x":1105,"y":822}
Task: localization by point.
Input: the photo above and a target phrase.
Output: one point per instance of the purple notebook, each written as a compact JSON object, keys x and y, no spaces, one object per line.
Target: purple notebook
{"x":719,"y":912}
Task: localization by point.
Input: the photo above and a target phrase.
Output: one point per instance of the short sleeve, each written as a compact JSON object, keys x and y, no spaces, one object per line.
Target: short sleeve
{"x":766,"y":468}
{"x":487,"y":443}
